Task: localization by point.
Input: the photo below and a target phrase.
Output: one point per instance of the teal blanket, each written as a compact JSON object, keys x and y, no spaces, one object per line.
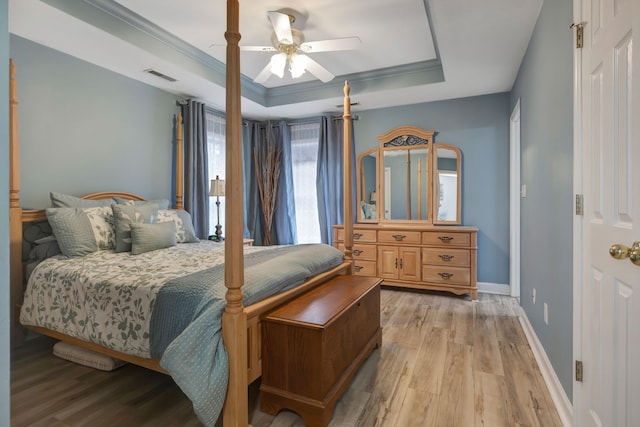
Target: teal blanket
{"x":186,"y":325}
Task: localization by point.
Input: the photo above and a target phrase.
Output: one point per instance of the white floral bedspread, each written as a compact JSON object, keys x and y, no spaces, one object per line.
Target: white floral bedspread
{"x":106,"y":297}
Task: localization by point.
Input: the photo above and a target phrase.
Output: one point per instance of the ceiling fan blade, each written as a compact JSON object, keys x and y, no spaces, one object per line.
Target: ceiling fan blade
{"x":248,"y":48}
{"x":319,"y":71}
{"x":258,"y":48}
{"x":347,"y":43}
{"x":264,"y":74}
{"x":282,"y":26}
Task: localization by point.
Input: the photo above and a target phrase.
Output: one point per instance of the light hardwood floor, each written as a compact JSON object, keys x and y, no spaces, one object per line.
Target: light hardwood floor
{"x":444,"y":361}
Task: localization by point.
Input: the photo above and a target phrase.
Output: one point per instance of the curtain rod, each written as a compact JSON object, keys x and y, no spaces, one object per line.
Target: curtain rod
{"x":183,"y":102}
{"x":304,"y":121}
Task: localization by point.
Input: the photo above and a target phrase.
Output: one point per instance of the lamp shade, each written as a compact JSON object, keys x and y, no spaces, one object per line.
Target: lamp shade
{"x":278,"y":63}
{"x":298,"y":65}
{"x":217,"y":187}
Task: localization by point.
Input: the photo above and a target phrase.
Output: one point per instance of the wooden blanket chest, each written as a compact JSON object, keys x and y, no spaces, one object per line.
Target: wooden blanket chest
{"x":313,"y":345}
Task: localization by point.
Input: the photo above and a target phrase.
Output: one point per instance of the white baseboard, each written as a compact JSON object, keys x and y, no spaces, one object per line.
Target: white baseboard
{"x":493,"y":288}
{"x":563,"y":405}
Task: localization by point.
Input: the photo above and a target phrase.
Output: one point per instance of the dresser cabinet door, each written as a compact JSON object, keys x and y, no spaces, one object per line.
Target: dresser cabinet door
{"x":388,"y":262}
{"x":409,"y":264}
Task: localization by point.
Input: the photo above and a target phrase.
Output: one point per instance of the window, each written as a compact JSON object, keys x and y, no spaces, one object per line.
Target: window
{"x":304,"y":158}
{"x":216,"y":143}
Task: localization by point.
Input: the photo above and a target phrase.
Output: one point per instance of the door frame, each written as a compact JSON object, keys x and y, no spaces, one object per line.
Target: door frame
{"x":578,"y":189}
{"x":514,"y":201}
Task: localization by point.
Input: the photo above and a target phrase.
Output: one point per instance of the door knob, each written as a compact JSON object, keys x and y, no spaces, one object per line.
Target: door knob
{"x":619,"y":251}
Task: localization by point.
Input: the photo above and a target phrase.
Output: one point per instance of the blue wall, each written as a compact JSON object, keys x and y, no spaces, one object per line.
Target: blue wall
{"x":479,"y":126}
{"x":85,"y":129}
{"x":4,"y":216}
{"x":544,"y":87}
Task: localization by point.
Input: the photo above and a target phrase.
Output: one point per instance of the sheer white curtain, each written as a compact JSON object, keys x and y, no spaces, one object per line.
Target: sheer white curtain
{"x":216,"y":143}
{"x":304,"y":158}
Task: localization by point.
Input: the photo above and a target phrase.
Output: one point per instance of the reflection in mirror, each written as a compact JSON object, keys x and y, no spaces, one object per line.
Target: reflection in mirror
{"x":447,"y":184}
{"x":406,"y":184}
{"x":367,"y":186}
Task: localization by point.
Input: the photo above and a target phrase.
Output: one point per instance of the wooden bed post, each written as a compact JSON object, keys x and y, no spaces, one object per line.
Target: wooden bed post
{"x":15,"y":213}
{"x":348,"y":196}
{"x":179,"y":163}
{"x":234,"y":320}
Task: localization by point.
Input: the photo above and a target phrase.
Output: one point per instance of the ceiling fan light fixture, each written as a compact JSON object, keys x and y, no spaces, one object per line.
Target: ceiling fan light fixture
{"x":297,"y":65}
{"x":278,"y":63}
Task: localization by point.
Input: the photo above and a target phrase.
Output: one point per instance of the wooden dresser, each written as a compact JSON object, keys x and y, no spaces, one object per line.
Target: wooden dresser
{"x":435,"y":257}
{"x":313,"y":345}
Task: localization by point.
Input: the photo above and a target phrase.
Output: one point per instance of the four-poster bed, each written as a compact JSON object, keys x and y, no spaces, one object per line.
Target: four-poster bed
{"x":240,"y":324}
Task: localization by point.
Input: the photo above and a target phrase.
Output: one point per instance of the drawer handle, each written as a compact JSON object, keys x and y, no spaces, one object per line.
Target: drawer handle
{"x":357,"y":235}
{"x":357,"y":268}
{"x":400,"y":263}
{"x":396,"y":263}
{"x":446,"y":258}
{"x":445,"y":239}
{"x":446,"y":275}
{"x":399,"y":237}
{"x":357,"y":252}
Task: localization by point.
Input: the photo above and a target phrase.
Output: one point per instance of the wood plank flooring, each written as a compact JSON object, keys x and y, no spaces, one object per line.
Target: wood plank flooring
{"x":444,"y":361}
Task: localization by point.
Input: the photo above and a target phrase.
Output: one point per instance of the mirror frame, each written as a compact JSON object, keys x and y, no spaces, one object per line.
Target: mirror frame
{"x":436,"y":191}
{"x":361,"y":184}
{"x":404,"y":138}
{"x":396,"y":139}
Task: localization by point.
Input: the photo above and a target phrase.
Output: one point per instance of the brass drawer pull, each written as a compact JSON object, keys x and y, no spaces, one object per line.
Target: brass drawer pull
{"x":400,"y":263}
{"x":446,"y":275}
{"x":445,"y":239}
{"x":357,"y":235}
{"x":446,"y":258}
{"x":357,"y":252}
{"x":399,"y":237}
{"x":357,"y":268}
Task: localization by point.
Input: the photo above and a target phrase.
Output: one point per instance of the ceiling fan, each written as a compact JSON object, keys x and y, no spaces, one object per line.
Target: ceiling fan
{"x":293,"y":50}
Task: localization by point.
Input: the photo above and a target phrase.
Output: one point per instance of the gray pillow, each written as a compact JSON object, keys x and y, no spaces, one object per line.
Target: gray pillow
{"x":162,"y":203}
{"x":59,"y":200}
{"x":124,"y":216}
{"x":81,"y":231}
{"x":185,"y":233}
{"x":150,"y":237}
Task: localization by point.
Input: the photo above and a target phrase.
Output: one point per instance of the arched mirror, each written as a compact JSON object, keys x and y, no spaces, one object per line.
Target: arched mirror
{"x":367,"y":191}
{"x":405,"y":177}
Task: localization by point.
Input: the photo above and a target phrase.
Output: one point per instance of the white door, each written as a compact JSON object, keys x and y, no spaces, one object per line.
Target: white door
{"x":609,"y":299}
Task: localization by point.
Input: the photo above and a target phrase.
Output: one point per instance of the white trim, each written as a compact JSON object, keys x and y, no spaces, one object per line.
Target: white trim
{"x":558,"y":395}
{"x":578,"y":241}
{"x":493,"y":288}
{"x":514,"y":201}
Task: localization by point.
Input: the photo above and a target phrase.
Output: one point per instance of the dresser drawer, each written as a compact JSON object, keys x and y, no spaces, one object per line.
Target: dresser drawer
{"x":364,"y":268}
{"x":402,"y":236}
{"x":450,"y":275}
{"x":446,"y":238}
{"x":368,"y":236}
{"x":446,"y":257}
{"x":367,"y":252}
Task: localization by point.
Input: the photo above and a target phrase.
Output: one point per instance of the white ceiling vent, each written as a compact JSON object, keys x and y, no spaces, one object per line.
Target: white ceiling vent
{"x":159,"y":74}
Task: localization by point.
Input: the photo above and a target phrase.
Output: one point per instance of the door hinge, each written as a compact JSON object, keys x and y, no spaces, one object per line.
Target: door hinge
{"x":579,"y":204}
{"x":579,"y":370}
{"x":579,"y":35}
